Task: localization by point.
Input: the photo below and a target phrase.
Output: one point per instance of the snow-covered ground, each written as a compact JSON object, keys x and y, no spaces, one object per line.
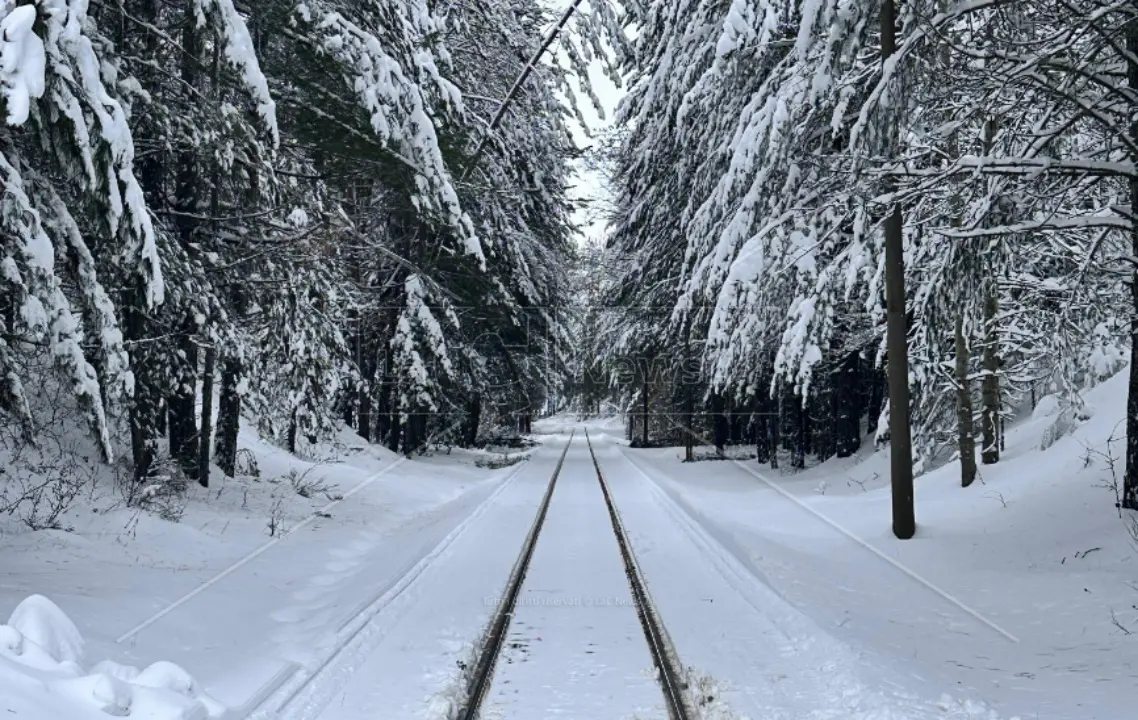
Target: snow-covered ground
{"x":1035,"y":551}
{"x":268,"y":602}
{"x":785,"y":594}
{"x":575,"y":646}
{"x":409,"y":663}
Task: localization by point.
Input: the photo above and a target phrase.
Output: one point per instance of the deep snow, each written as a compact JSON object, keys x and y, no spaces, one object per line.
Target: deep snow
{"x":785,"y":593}
{"x":1036,"y":548}
{"x":113,"y":567}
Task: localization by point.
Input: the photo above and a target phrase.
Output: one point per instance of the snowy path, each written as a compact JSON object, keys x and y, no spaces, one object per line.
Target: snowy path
{"x":405,"y":663}
{"x":575,"y":648}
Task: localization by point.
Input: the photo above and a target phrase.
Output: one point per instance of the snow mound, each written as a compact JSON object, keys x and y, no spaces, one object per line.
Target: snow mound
{"x":1047,"y":406}
{"x":40,"y":621}
{"x":41,"y":675}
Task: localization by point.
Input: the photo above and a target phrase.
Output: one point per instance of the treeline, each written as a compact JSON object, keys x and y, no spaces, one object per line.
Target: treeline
{"x":275,"y":211}
{"x":811,"y":194}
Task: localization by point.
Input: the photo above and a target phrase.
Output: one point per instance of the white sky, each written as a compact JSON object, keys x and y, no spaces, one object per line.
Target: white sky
{"x":587,"y":184}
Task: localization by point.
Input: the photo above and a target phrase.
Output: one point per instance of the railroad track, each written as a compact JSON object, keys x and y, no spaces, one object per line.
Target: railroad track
{"x":495,"y":638}
{"x":668,"y":672}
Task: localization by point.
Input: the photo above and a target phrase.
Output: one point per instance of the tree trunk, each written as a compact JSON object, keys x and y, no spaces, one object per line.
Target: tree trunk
{"x":990,"y":385}
{"x":383,"y":407}
{"x":762,"y":423}
{"x":775,"y":425}
{"x":228,"y":418}
{"x":473,"y":420}
{"x":145,"y":404}
{"x":718,"y":423}
{"x":414,"y":433}
{"x":798,"y":459}
{"x":182,"y":404}
{"x":293,"y":431}
{"x":900,"y":439}
{"x":395,"y":423}
{"x":366,"y":359}
{"x":183,"y":428}
{"x":689,"y":422}
{"x":348,"y":406}
{"x":964,"y":430}
{"x":762,"y":438}
{"x":848,"y":426}
{"x":644,"y":401}
{"x":207,"y":417}
{"x":1130,"y":480}
{"x":363,"y":411}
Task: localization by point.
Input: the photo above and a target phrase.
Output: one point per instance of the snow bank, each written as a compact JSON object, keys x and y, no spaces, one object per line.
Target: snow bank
{"x":1036,"y":546}
{"x":41,"y":677}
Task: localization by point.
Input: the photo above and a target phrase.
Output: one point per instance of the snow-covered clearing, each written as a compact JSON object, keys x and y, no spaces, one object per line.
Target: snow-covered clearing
{"x":1037,"y":549}
{"x":785,"y":595}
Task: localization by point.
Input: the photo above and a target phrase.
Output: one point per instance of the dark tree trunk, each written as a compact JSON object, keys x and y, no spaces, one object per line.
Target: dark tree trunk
{"x":762,"y":438}
{"x":689,"y":423}
{"x":801,"y":420}
{"x":395,"y":428}
{"x":990,"y":385}
{"x":966,"y":440}
{"x":414,"y":434}
{"x":228,"y":418}
{"x":348,"y":407}
{"x":807,"y":430}
{"x":737,"y":426}
{"x":363,"y":414}
{"x":644,"y":413}
{"x":900,"y":438}
{"x":689,"y":394}
{"x":385,"y":406}
{"x":293,"y":432}
{"x":473,"y":420}
{"x":207,"y":417}
{"x":184,"y":443}
{"x":776,"y":427}
{"x":367,"y":364}
{"x":718,"y":422}
{"x":145,"y":406}
{"x":762,"y":425}
{"x":1130,"y":480}
{"x":848,"y":413}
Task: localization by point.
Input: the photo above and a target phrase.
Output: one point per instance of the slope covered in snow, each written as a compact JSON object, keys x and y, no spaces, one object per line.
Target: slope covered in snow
{"x":1020,"y":591}
{"x":242,"y":583}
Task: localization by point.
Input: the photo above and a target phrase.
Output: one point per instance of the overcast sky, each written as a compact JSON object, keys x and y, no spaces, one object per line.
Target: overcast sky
{"x":609,"y":95}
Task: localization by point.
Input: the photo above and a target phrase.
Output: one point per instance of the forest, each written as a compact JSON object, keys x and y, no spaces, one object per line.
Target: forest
{"x":291,"y":214}
{"x":836,"y":220}
{"x":827,"y":220}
